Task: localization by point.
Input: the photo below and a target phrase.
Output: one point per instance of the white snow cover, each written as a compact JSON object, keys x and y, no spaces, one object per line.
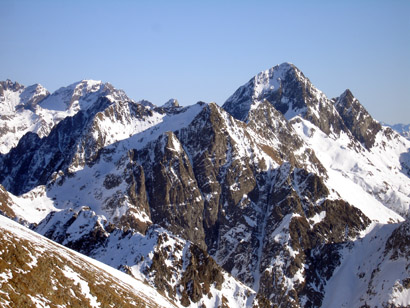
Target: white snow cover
{"x":135,"y":251}
{"x":171,"y":103}
{"x":371,"y":181}
{"x":33,"y":206}
{"x":269,"y":80}
{"x":366,"y":275}
{"x":169,"y":122}
{"x":17,"y":119}
{"x":86,"y":186}
{"x":77,"y":96}
{"x":85,"y":289}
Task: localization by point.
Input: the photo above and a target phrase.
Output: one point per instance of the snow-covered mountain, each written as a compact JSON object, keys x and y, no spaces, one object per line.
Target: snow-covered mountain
{"x":267,"y":200}
{"x":34,"y":109}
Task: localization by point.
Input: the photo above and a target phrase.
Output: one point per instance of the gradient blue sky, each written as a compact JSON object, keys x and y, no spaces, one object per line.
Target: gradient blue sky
{"x":205,"y":50}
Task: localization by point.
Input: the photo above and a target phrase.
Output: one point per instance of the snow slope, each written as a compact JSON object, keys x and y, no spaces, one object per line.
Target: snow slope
{"x":370,"y":274}
{"x":371,"y":180}
{"x":70,"y":265}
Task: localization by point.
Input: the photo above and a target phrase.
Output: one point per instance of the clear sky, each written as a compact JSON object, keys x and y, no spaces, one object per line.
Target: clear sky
{"x":205,"y":50}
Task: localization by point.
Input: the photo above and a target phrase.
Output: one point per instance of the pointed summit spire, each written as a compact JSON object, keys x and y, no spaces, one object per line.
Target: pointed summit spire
{"x":356,"y":118}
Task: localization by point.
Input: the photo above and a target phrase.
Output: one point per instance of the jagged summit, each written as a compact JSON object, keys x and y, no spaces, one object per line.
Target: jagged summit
{"x":256,"y":90}
{"x":81,"y":95}
{"x":402,"y":129}
{"x":9,"y":85}
{"x":33,"y":109}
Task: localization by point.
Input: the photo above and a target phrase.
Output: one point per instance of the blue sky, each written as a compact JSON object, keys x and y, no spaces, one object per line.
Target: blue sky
{"x":205,"y":50}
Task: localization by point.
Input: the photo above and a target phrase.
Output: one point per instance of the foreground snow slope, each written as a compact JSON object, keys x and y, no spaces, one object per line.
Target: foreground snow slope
{"x":37,"y":272}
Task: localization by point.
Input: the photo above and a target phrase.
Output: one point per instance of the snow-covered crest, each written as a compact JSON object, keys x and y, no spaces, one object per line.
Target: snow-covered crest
{"x":80,"y":95}
{"x":33,"y":109}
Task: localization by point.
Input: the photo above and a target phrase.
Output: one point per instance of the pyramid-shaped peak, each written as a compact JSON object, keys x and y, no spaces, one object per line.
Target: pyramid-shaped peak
{"x":281,"y":70}
{"x":346,"y":96}
{"x":283,"y":85}
{"x":349,"y":102}
{"x":273,"y":79}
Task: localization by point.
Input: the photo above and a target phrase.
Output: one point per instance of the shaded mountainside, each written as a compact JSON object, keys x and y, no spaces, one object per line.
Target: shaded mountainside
{"x":263,"y":202}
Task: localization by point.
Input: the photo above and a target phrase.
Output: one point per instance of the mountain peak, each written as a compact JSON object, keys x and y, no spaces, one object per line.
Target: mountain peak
{"x":402,"y":129}
{"x":346,"y":97}
{"x":16,"y":96}
{"x":284,"y":86}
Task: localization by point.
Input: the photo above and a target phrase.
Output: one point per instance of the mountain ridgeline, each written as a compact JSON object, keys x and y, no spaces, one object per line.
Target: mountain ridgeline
{"x":262,"y":202}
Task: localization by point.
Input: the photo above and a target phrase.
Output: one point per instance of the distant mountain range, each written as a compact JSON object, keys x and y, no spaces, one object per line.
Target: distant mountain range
{"x":281,"y":197}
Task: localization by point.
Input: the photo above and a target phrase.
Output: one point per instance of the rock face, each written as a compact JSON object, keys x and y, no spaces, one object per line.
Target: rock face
{"x":279,"y":188}
{"x":402,"y":129}
{"x":40,"y":158}
{"x":176,"y":202}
